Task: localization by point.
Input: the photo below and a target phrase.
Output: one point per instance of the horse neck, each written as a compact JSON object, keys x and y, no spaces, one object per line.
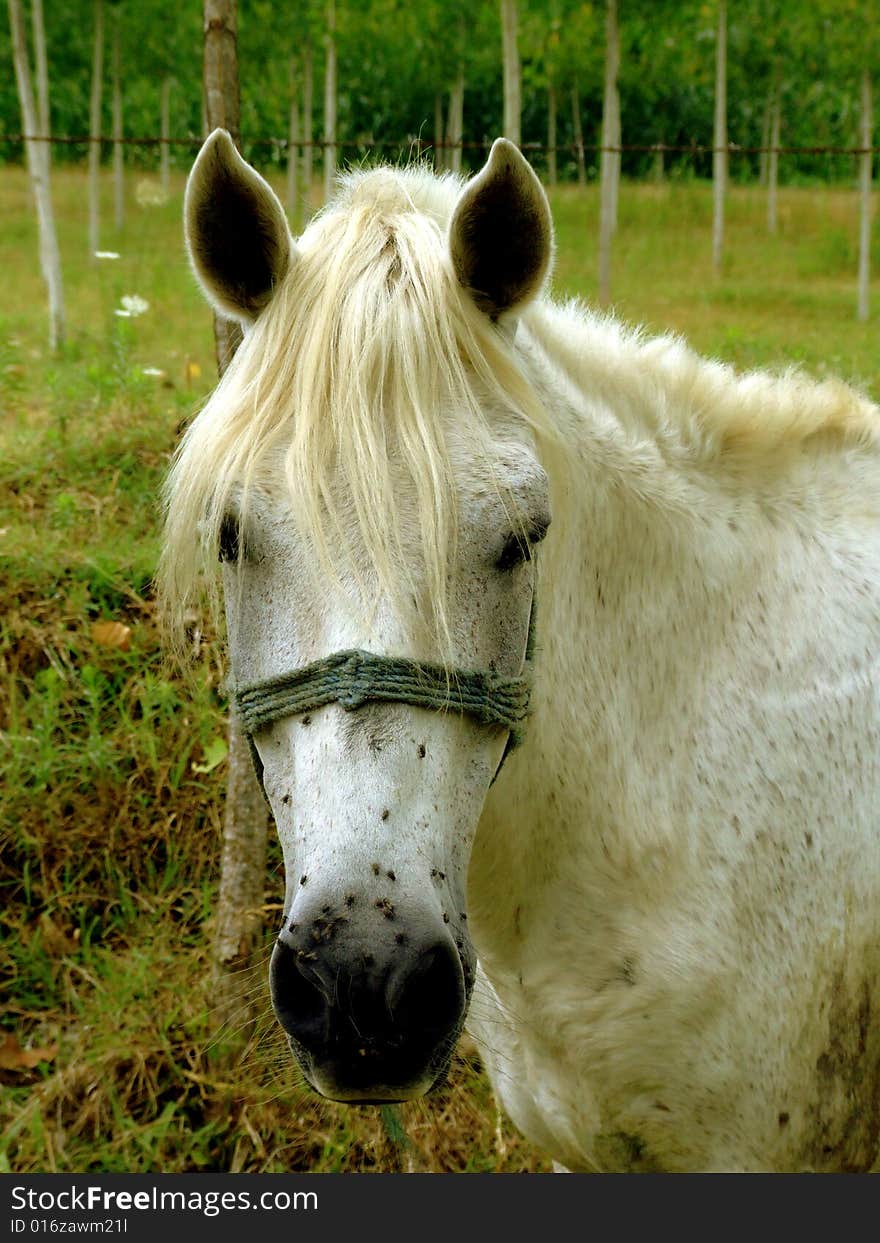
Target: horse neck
{"x":708,"y":530}
{"x":636,"y":578}
{"x":649,"y":541}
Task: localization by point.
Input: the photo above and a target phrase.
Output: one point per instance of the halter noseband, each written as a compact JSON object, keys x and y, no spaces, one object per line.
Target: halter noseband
{"x":355,"y":677}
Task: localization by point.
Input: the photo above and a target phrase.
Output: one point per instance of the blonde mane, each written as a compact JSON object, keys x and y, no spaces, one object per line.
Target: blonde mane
{"x":366,"y":344}
{"x":347,"y":381}
{"x":723,"y":415}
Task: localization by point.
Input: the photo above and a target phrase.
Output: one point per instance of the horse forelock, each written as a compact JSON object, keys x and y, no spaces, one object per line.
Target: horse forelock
{"x":353,"y":378}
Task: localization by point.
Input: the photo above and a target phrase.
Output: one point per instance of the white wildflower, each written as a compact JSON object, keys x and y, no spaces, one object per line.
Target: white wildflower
{"x":133,"y":304}
{"x":156,"y":371}
{"x":107,"y":254}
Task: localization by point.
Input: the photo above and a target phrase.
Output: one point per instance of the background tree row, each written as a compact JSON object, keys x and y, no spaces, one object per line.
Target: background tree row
{"x":428,"y":70}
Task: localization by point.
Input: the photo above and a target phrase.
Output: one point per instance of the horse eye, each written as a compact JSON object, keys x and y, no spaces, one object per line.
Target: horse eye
{"x":518,"y":545}
{"x":229,"y":539}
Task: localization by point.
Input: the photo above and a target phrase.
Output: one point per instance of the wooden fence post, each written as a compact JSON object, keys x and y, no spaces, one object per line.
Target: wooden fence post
{"x":245,"y":824}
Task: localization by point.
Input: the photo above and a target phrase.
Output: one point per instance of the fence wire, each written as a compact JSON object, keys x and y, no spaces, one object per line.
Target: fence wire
{"x":570,"y":148}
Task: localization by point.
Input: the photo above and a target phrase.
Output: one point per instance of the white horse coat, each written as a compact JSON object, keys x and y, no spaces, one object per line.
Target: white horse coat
{"x":684,"y":955}
{"x":673,"y":886}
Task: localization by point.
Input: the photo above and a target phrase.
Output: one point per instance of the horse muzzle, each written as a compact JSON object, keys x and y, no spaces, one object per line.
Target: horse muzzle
{"x":372,"y":998}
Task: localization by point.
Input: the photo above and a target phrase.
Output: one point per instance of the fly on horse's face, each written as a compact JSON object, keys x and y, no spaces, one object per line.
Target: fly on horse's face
{"x":376,"y":807}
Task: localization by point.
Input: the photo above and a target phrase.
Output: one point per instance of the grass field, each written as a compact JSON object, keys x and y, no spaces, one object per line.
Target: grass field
{"x":110,"y":766}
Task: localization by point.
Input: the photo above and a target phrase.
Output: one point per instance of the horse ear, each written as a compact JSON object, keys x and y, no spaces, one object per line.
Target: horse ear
{"x":236,"y":231}
{"x":501,"y":234}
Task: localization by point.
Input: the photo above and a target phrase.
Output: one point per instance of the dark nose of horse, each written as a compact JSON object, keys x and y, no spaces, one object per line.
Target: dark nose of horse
{"x":369,"y":1024}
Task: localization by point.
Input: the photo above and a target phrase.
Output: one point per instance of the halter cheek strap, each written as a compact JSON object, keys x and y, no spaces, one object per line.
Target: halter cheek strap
{"x":353,"y":678}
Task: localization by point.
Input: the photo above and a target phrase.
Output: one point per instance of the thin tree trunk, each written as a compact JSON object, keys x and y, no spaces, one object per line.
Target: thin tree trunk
{"x":773,"y":163}
{"x":243,"y":861}
{"x":447,"y":133}
{"x":95,"y":130}
{"x":766,"y":122}
{"x":293,"y":139}
{"x":866,"y":172}
{"x":330,"y":102}
{"x":456,"y":122}
{"x":222,"y":110}
{"x":659,"y":166}
{"x":165,"y":131}
{"x":38,"y":167}
{"x":610,"y":165}
{"x":551,"y":132}
{"x":510,"y":59}
{"x":439,"y":147}
{"x":118,"y":166}
{"x":242,"y":878}
{"x":41,"y":67}
{"x":578,"y":127}
{"x":615,"y":136}
{"x":220,"y":73}
{"x":719,"y":139}
{"x":308,"y":132}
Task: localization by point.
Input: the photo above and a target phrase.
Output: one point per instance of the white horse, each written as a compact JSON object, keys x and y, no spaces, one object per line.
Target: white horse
{"x":672,"y":888}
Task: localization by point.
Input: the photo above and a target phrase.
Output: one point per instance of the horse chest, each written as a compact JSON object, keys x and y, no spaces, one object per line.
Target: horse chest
{"x":650,"y":1009}
{"x":674,"y":1061}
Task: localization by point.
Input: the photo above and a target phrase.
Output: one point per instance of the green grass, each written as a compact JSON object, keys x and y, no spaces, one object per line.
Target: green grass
{"x":782,"y":299}
{"x":109,"y":829}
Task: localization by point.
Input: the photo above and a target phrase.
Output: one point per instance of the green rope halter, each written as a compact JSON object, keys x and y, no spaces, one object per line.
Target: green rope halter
{"x":353,"y":678}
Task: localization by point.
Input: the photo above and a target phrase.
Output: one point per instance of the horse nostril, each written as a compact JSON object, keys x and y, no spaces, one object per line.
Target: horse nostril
{"x":368,"y":1024}
{"x":429,"y":996}
{"x":298,"y":997}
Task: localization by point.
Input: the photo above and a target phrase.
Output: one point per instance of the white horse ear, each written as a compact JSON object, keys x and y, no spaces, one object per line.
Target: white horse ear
{"x":236,"y":231}
{"x":501,"y":233}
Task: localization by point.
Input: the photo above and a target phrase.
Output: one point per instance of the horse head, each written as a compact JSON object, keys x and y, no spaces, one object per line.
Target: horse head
{"x":368,"y":476}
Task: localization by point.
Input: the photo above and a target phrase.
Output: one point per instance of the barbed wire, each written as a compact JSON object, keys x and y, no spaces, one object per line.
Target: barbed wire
{"x":572,"y":148}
